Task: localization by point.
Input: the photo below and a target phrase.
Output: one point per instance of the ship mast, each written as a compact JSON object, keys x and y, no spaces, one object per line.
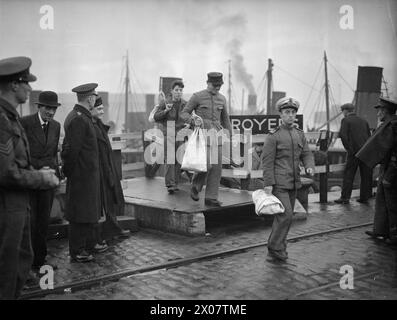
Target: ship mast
{"x":229,"y":90}
{"x":269,"y":84}
{"x":127,"y":85}
{"x":326,"y":92}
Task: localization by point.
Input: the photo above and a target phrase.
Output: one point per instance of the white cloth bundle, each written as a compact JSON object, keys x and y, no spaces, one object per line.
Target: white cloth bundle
{"x":266,"y":203}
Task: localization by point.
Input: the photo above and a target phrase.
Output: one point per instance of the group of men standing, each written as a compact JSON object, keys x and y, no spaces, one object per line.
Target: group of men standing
{"x":30,"y":172}
{"x":365,"y":151}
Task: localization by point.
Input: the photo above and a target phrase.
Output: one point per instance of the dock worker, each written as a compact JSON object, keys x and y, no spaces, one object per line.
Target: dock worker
{"x":43,"y":136}
{"x":168,"y":114}
{"x":382,"y":148}
{"x":81,"y":167}
{"x":17,"y":178}
{"x":112,"y":197}
{"x":211,"y":108}
{"x":354,"y":132}
{"x":284,"y":149}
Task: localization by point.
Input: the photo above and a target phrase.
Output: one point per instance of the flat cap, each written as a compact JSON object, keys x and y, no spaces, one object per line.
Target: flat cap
{"x":347,"y":106}
{"x":85,"y":88}
{"x":215,"y":78}
{"x":386,"y":103}
{"x":98,"y":102}
{"x":287,"y":102}
{"x":16,"y":69}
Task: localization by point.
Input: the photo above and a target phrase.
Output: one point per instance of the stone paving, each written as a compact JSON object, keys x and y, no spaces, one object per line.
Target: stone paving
{"x":148,"y":247}
{"x":312,"y":263}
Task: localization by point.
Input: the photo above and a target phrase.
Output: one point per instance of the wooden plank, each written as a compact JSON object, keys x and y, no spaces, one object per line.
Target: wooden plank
{"x":133,"y":166}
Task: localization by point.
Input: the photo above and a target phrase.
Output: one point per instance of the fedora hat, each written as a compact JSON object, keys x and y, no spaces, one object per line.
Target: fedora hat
{"x":49,"y":99}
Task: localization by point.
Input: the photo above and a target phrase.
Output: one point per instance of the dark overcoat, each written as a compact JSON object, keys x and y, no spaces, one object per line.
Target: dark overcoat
{"x":43,"y":150}
{"x":81,"y":167}
{"x":354,"y":132}
{"x":112,"y":197}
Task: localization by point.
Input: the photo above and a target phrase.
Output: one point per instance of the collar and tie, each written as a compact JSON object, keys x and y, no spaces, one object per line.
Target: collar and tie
{"x":45,"y":128}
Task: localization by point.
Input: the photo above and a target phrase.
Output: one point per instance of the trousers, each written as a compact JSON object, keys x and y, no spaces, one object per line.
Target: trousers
{"x":16,"y":254}
{"x":352,"y":163}
{"x":212,"y":177}
{"x":385,"y":219}
{"x":41,"y":204}
{"x":282,"y":222}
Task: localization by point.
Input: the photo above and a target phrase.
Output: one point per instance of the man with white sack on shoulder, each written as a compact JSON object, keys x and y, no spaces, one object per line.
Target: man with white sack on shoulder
{"x":284,"y":149}
{"x":211,"y":110}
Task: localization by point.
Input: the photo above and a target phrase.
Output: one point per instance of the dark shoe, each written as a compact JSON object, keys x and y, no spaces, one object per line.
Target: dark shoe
{"x":82,"y":257}
{"x":364,"y":201}
{"x":277,"y":255}
{"x":212,"y":203}
{"x":375,"y":235}
{"x":99,"y":248}
{"x":171,"y":189}
{"x":342,"y":201}
{"x":194,"y":193}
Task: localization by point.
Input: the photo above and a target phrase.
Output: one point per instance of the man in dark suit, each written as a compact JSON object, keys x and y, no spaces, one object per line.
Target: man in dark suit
{"x":381,"y":149}
{"x":81,"y":167}
{"x":354,"y":132}
{"x":43,"y":136}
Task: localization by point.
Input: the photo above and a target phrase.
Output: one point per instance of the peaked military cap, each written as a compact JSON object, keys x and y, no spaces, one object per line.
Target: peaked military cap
{"x":347,"y":106}
{"x":16,"y":69}
{"x":49,"y":99}
{"x":386,"y":103}
{"x":215,"y":78}
{"x":287,"y":102}
{"x":85,"y":88}
{"x":98,"y":102}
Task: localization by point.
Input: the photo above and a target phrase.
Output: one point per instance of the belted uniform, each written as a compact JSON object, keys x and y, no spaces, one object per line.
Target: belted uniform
{"x":284,"y":149}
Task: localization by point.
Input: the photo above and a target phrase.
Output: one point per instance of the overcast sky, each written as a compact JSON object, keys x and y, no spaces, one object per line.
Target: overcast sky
{"x":189,"y":38}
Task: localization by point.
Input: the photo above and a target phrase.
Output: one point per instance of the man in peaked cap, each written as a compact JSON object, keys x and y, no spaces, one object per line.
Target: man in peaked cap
{"x":81,"y":167}
{"x":211,"y":113}
{"x":354,"y":132}
{"x":382,"y":148}
{"x":43,"y":136}
{"x":284,"y":148}
{"x":17,"y":178}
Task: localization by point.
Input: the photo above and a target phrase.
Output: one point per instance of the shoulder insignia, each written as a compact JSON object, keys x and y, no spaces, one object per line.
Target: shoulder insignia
{"x":79,"y":113}
{"x":6,"y":147}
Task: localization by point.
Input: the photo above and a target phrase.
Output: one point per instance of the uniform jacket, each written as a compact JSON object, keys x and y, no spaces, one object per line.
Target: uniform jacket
{"x":81,"y":167}
{"x":382,"y":148}
{"x":112,"y":198}
{"x":173,"y":115}
{"x":284,"y":149}
{"x":210,"y":107}
{"x":16,"y":173}
{"x":354,"y":132}
{"x":43,"y":151}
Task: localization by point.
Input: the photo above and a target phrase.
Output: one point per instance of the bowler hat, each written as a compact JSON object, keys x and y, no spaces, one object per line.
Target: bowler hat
{"x":16,"y":69}
{"x":287,"y":102}
{"x":49,"y":99}
{"x":386,"y":103}
{"x":215,"y":78}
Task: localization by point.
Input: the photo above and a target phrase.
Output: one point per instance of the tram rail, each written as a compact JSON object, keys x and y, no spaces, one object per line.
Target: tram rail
{"x":115,"y":276}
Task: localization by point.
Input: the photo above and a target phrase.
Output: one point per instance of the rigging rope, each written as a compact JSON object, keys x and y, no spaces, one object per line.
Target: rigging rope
{"x":341,"y":76}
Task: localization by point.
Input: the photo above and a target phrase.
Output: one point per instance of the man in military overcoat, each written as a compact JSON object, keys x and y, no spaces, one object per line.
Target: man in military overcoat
{"x":17,"y":178}
{"x":382,"y":148}
{"x":81,"y":167}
